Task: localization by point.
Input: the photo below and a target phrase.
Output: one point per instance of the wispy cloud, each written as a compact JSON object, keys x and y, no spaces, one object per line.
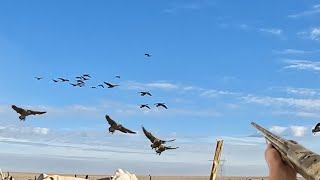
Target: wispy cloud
{"x":302,"y":91}
{"x":302,"y":65}
{"x":163,"y":85}
{"x":215,"y":93}
{"x":307,"y":104}
{"x":13,"y":131}
{"x":314,"y":10}
{"x":278,"y":32}
{"x":312,"y":33}
{"x":273,"y":31}
{"x":294,"y":51}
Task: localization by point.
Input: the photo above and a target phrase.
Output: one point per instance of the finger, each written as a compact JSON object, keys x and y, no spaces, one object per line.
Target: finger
{"x":273,"y":157}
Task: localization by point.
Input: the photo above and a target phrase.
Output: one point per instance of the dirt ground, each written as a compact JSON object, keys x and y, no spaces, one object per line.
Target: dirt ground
{"x":31,"y":176}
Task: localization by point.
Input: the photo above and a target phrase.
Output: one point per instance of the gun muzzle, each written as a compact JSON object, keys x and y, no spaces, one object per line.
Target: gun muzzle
{"x":304,"y":161}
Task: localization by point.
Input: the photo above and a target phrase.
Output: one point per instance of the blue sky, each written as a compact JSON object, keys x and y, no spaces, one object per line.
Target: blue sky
{"x":218,"y":65}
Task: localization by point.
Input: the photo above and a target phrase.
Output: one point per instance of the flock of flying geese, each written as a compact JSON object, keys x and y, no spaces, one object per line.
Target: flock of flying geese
{"x":157,"y":144}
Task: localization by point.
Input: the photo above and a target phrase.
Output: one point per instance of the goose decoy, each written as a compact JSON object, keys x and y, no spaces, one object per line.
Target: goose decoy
{"x":143,"y":93}
{"x":163,"y":148}
{"x":155,"y":141}
{"x":316,"y":129}
{"x":115,"y":126}
{"x":161,"y":104}
{"x":145,"y":106}
{"x":25,"y":112}
{"x":110,"y":85}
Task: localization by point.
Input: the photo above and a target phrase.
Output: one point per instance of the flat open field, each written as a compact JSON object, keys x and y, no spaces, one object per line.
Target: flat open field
{"x":31,"y":176}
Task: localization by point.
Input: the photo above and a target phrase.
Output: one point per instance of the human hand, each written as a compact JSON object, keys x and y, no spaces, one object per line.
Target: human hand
{"x":278,"y":169}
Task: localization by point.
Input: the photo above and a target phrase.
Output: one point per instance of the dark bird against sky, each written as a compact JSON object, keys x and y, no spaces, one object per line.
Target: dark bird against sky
{"x":115,"y":126}
{"x":145,"y":106}
{"x":155,"y":141}
{"x":163,"y":148}
{"x":143,"y":93}
{"x":316,"y":129}
{"x":110,"y":85}
{"x":161,"y":105}
{"x":25,"y":112}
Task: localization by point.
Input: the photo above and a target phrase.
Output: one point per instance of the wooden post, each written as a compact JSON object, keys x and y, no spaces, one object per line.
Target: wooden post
{"x":216,"y":160}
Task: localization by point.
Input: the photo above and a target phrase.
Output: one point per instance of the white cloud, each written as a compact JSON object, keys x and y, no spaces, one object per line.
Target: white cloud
{"x":303,"y":65}
{"x":312,"y":33}
{"x":313,"y":11}
{"x":215,"y":93}
{"x":162,"y":85}
{"x":298,"y":113}
{"x":15,"y":131}
{"x":277,"y":129}
{"x":307,"y":104}
{"x":273,"y":31}
{"x":315,"y":34}
{"x":153,"y":85}
{"x":302,"y":91}
{"x":297,"y":131}
{"x":40,"y":131}
{"x":294,"y":51}
{"x":192,"y":88}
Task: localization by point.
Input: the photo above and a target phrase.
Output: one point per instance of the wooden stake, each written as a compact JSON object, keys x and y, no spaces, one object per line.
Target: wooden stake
{"x":216,"y":160}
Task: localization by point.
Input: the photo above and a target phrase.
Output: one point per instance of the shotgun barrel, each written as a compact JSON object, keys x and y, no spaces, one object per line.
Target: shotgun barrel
{"x":304,"y":161}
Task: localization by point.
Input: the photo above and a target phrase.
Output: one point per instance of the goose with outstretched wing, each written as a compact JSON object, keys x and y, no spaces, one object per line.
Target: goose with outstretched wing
{"x":115,"y":126}
{"x":25,"y":112}
{"x":163,"y":148}
{"x":155,"y":141}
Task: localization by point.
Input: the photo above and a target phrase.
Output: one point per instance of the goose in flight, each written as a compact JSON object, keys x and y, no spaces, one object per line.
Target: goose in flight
{"x":147,"y":55}
{"x":117,"y":77}
{"x":25,"y":112}
{"x":110,"y":85}
{"x":101,"y":85}
{"x":38,"y":78}
{"x":161,"y":104}
{"x":155,"y":141}
{"x":85,"y":78}
{"x":115,"y":126}
{"x":145,"y":106}
{"x":55,"y":80}
{"x":163,"y":148}
{"x":86,"y":75}
{"x":64,"y":80}
{"x":316,"y":129}
{"x":143,"y":93}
